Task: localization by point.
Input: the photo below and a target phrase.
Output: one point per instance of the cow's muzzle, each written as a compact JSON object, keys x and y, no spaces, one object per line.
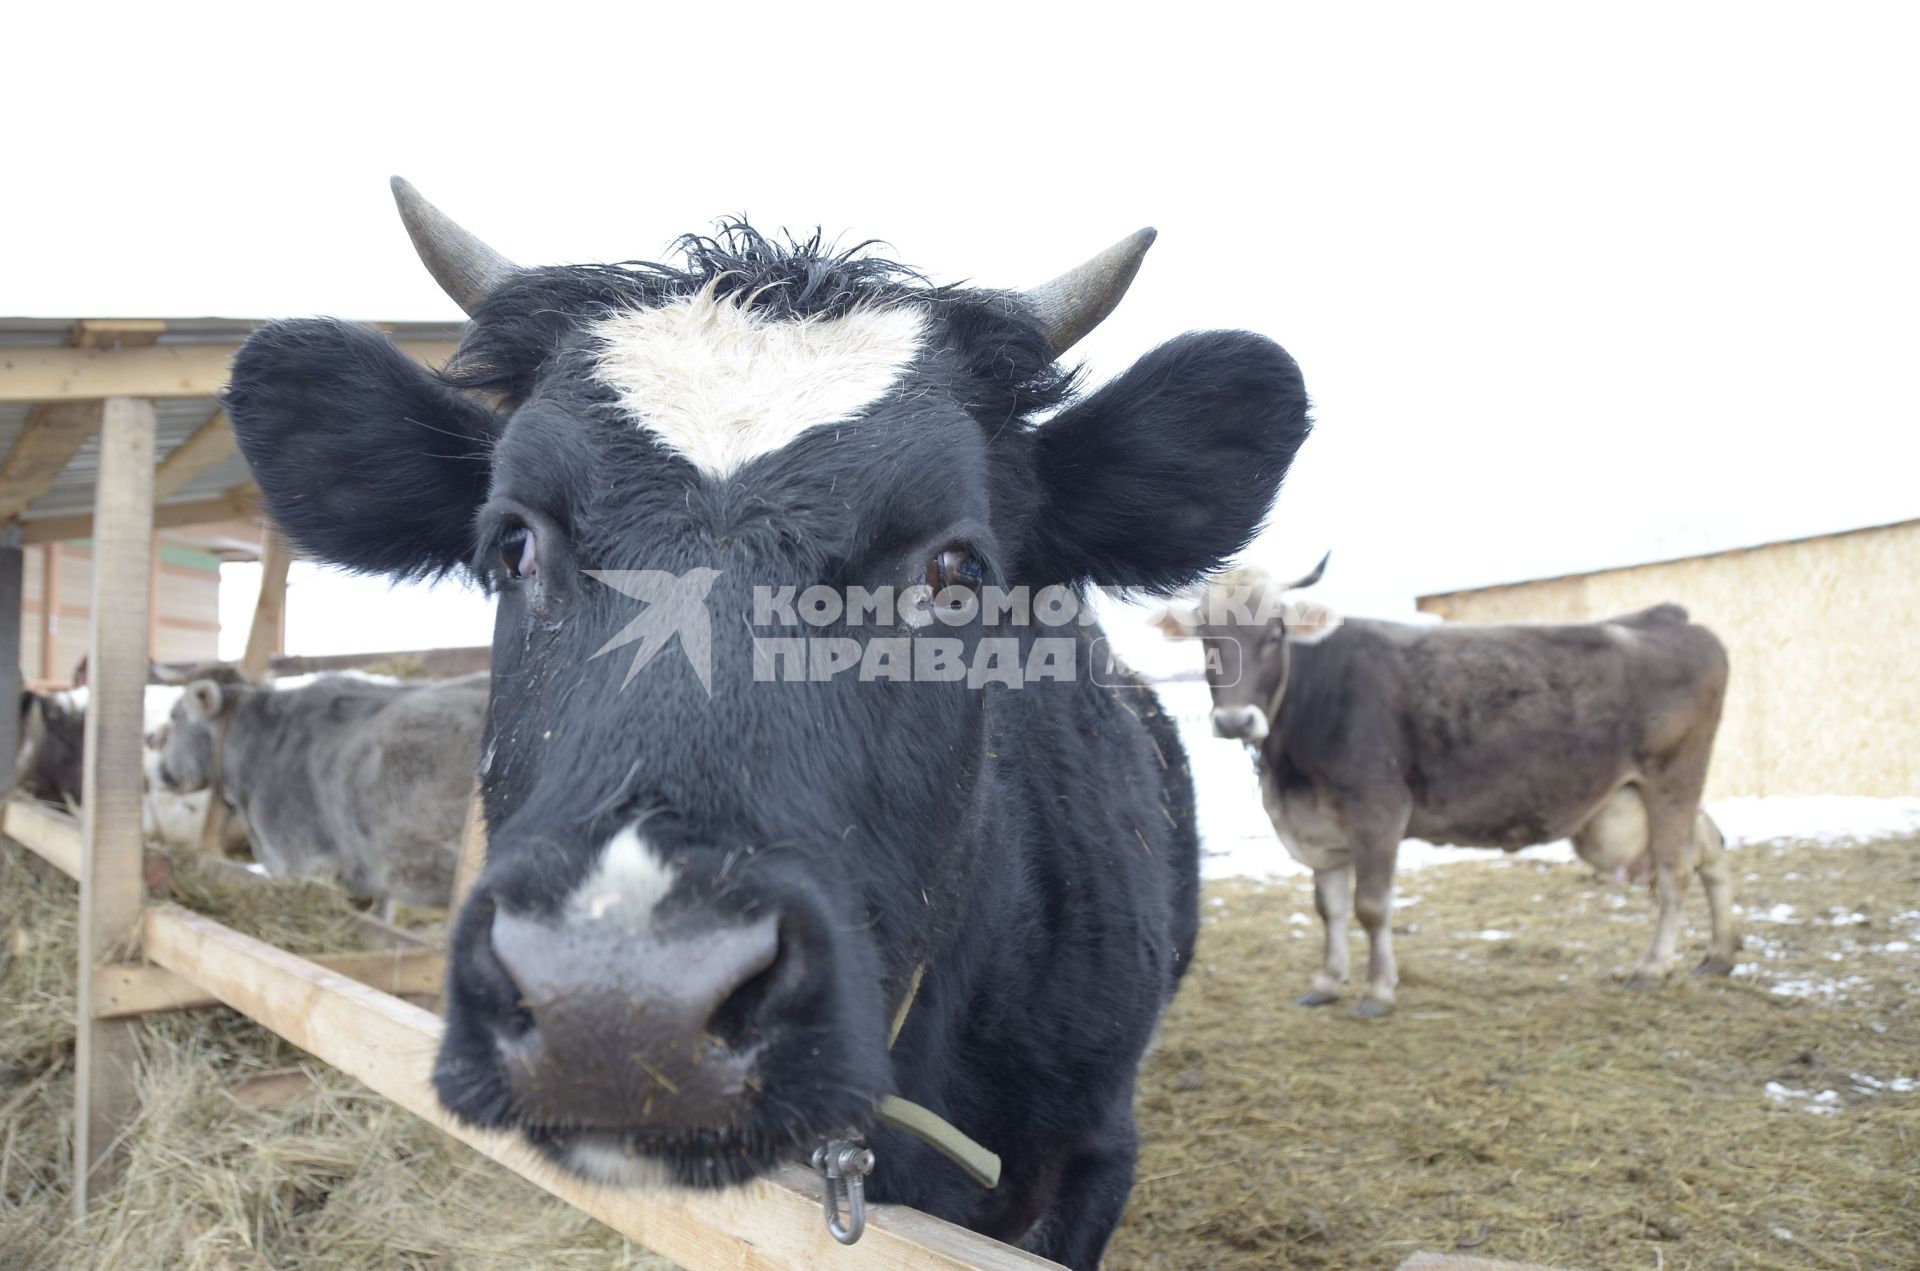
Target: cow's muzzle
{"x":1240,"y":723}
{"x":637,"y":1031}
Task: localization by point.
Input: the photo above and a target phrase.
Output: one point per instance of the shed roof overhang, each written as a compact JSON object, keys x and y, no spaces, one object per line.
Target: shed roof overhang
{"x":56,"y":372}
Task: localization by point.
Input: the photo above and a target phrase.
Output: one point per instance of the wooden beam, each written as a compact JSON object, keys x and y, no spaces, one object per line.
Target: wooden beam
{"x":263,"y":641}
{"x":116,"y":333}
{"x":52,"y":836}
{"x":774,"y":1222}
{"x":52,"y":436}
{"x":242,"y":500}
{"x":165,"y":370}
{"x":473,"y":851}
{"x":210,"y":445}
{"x":264,"y":637}
{"x":112,"y":887}
{"x":55,"y":837}
{"x":130,"y":988}
{"x":50,"y":668}
{"x":13,"y":570}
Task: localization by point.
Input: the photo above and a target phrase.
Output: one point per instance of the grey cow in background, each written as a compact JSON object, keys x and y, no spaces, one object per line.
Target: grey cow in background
{"x":346,"y":777}
{"x":1478,"y":736}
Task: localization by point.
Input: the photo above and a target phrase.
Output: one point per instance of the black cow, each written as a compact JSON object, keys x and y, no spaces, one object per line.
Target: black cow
{"x":49,"y":765}
{"x":710,"y":890}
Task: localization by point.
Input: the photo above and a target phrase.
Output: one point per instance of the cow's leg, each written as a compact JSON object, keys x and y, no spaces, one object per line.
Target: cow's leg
{"x":1716,"y":879}
{"x":1333,"y":899}
{"x":1092,"y":1195}
{"x":1373,"y":902}
{"x":1669,"y":835}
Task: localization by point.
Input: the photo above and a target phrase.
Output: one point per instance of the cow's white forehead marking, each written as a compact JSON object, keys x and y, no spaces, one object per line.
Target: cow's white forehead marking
{"x":625,"y":886}
{"x":721,"y":383}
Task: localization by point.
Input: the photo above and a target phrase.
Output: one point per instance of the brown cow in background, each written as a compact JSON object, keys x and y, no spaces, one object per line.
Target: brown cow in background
{"x":1490,"y":736}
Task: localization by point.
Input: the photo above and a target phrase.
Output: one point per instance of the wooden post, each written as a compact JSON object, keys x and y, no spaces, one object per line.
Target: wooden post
{"x":12,"y":568}
{"x":263,"y":639}
{"x":50,"y":668}
{"x":112,"y":889}
{"x":473,"y":851}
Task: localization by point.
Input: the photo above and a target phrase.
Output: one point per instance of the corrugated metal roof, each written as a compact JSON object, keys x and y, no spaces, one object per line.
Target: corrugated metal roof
{"x":53,"y":333}
{"x":177,"y":418}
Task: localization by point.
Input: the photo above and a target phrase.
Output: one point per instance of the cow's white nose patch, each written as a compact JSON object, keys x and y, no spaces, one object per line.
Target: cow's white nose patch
{"x":721,"y":383}
{"x":1242,"y":722}
{"x":626,"y":885}
{"x":603,"y":1161}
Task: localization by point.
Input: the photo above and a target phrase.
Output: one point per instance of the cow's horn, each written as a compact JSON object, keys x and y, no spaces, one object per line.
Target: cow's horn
{"x":1079,"y":300}
{"x":1313,"y":577}
{"x":466,"y":268}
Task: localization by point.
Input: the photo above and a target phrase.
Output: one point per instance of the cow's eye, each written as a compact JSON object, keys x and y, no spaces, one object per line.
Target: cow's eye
{"x":517,"y":552}
{"x":955,"y":568}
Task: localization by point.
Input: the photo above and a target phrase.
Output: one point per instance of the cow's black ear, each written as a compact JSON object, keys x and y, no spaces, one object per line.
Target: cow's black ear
{"x":1170,"y":469}
{"x":364,"y":457}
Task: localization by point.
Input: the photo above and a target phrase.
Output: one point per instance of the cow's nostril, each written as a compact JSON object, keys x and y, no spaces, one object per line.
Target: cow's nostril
{"x":484,"y":979}
{"x":739,"y":1018}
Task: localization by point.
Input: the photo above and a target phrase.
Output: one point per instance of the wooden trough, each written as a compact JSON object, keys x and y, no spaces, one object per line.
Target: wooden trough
{"x":140,"y":955}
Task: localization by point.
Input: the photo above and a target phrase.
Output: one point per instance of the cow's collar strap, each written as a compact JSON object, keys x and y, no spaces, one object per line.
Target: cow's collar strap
{"x":940,"y":1134}
{"x":845,"y":1163}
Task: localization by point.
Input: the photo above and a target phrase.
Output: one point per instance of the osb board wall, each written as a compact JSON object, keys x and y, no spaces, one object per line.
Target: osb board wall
{"x":1823,"y":639}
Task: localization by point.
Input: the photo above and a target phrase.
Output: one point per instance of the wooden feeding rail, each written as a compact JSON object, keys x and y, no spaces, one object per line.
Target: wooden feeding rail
{"x":140,"y":955}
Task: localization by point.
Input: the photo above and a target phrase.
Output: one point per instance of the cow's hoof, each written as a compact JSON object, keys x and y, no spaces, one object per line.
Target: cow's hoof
{"x":1712,"y":965}
{"x":1372,"y":1008}
{"x":1316,"y":997}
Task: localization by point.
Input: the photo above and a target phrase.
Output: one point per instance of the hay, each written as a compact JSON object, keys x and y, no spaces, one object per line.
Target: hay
{"x":399,"y":666}
{"x":336,"y":1178}
{"x":1504,"y":1110}
{"x":1523,"y":1105}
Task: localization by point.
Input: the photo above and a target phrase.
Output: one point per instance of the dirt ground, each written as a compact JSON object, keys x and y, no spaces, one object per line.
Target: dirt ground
{"x":1520,"y":1103}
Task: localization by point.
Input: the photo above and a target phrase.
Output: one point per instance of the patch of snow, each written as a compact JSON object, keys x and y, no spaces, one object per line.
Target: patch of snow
{"x":1823,"y":1103}
{"x":1238,"y":840}
{"x":1892,"y":946}
{"x":282,"y":683}
{"x":1834,"y":820}
{"x":1493,"y":933}
{"x":1823,"y":990}
{"x":1838,"y":916}
{"x":1867,"y":1083}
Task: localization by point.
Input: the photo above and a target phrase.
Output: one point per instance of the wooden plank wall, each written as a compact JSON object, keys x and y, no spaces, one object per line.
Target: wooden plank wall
{"x":1821,"y":697}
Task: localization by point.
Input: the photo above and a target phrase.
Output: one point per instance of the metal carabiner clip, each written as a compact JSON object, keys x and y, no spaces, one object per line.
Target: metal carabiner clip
{"x":844,"y":1165}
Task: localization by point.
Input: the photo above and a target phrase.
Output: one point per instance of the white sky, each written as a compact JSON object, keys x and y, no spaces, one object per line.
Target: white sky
{"x":1572,"y":286}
